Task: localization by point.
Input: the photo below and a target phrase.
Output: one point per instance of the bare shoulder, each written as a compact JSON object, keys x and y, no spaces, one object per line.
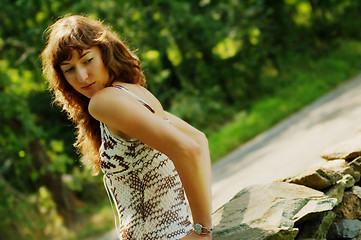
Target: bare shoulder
{"x":101,"y":103}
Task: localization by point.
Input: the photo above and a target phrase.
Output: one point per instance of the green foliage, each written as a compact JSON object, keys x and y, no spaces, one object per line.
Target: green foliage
{"x":303,"y":80}
{"x":17,"y":129}
{"x":245,"y":63}
{"x":29,"y":217}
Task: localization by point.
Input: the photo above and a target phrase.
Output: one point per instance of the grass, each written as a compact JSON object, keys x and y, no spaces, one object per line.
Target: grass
{"x":304,"y":80}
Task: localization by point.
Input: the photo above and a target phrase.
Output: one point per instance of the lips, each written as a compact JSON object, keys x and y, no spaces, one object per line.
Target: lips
{"x":88,"y":86}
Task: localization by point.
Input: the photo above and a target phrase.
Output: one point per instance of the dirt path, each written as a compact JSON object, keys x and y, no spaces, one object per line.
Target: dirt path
{"x":291,"y":146}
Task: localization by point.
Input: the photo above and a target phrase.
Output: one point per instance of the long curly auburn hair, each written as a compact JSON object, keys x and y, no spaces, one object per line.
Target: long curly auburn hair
{"x":75,"y":32}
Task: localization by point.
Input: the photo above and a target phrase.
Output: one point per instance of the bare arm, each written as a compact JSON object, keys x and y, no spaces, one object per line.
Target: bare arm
{"x":126,"y":114}
{"x":201,"y":139}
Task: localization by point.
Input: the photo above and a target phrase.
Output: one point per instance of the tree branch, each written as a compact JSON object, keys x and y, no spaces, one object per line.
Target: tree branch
{"x":27,"y":51}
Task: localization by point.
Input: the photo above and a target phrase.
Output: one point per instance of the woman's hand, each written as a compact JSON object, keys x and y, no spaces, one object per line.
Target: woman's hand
{"x":195,"y":236}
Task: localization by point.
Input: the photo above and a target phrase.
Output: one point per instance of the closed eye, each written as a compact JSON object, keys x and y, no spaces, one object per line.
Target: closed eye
{"x":89,"y":60}
{"x":69,"y":69}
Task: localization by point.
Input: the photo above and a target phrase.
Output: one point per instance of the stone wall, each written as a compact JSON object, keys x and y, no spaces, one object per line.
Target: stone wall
{"x":321,"y":203}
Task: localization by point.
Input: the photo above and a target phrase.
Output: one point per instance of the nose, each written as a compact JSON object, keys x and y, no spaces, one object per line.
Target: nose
{"x":82,"y":74}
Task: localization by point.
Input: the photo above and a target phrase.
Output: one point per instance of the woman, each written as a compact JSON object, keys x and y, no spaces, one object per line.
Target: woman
{"x":148,"y":156}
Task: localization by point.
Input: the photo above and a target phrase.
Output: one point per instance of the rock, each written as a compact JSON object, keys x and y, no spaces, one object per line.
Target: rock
{"x":324,"y":175}
{"x":344,"y":229}
{"x":317,"y":179}
{"x":356,"y":164}
{"x":354,"y":173}
{"x":350,"y":207}
{"x":313,"y":207}
{"x":356,"y":190}
{"x":317,"y":228}
{"x":338,"y":189}
{"x":349,"y":149}
{"x":269,"y":211}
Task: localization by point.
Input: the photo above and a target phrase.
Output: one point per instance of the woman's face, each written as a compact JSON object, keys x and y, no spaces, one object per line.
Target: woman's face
{"x":86,"y":72}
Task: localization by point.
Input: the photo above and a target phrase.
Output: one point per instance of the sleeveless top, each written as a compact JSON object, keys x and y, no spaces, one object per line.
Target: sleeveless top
{"x":145,"y":188}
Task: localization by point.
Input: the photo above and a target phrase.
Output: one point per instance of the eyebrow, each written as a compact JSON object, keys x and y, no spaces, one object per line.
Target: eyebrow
{"x":85,"y":52}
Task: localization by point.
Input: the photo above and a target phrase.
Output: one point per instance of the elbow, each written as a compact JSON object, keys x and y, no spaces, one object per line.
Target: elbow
{"x":188,"y":157}
{"x":202,"y":138}
{"x":196,"y":149}
{"x":191,"y":150}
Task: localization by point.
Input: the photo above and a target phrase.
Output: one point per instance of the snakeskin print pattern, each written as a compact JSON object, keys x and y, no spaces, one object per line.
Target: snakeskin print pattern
{"x":145,"y":188}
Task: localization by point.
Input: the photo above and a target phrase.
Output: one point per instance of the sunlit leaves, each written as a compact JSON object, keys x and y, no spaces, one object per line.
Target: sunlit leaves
{"x":40,"y":17}
{"x":60,"y":161}
{"x":174,"y":54}
{"x":151,"y":55}
{"x":254,"y":35}
{"x":303,"y":14}
{"x":227,"y":48}
{"x":22,"y":154}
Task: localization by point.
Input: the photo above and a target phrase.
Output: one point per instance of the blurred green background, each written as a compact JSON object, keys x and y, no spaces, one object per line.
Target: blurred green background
{"x":232,"y":68}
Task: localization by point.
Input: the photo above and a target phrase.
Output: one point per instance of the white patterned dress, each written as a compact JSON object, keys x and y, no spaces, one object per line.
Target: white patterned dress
{"x":145,"y":188}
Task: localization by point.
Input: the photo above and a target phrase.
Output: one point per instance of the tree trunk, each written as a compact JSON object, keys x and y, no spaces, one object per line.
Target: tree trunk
{"x":65,"y":200}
